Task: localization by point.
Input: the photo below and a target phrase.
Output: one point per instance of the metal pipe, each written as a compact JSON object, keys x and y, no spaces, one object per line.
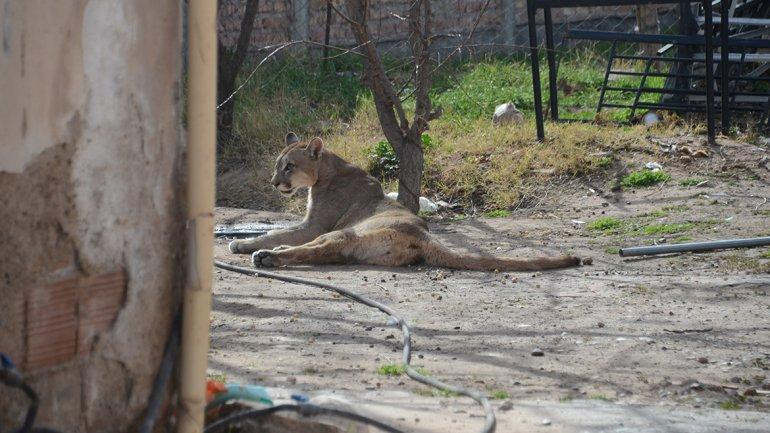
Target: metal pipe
{"x":695,"y":246}
{"x":535,"y":59}
{"x":201,"y":154}
{"x":724,"y":37}
{"x":550,"y":54}
{"x":708,"y":31}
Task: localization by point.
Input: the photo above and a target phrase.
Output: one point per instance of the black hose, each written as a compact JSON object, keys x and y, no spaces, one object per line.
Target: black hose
{"x":12,"y":378}
{"x":162,"y":379}
{"x":302,"y":409}
{"x":489,"y":424}
{"x":29,"y":419}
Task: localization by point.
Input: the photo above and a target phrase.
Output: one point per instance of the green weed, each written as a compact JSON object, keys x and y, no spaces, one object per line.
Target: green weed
{"x":605,"y":224}
{"x":676,"y":208}
{"x":498,"y":213}
{"x":391,"y":370}
{"x":217,"y":377}
{"x":600,"y":397}
{"x":639,"y":179}
{"x":499,"y":395}
{"x":661,"y":229}
{"x":604,"y":162}
{"x":653,"y":214}
{"x":729,"y":405}
{"x":691,"y":181}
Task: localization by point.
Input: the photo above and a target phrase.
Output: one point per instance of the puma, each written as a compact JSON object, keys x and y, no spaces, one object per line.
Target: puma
{"x":350,"y":220}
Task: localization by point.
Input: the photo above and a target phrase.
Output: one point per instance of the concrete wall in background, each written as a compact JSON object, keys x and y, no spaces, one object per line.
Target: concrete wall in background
{"x":91,"y":198}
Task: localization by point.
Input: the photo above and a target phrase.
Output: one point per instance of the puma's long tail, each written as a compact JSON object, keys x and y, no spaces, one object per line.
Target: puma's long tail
{"x":437,"y":254}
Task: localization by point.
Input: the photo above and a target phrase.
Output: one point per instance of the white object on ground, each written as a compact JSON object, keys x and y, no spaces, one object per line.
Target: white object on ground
{"x":426,"y":205}
{"x":507,"y":113}
{"x":650,"y":118}
{"x":654,"y":166}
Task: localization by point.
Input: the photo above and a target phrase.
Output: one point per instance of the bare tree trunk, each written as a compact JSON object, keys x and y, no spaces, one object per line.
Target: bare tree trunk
{"x":403,"y":136}
{"x":410,"y":165}
{"x":230,"y":63}
{"x":647,"y":22}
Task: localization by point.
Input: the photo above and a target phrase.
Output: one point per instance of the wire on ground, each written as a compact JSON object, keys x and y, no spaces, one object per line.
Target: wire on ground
{"x":406,"y":354}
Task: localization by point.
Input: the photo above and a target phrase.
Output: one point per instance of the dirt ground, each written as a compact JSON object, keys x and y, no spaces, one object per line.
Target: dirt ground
{"x":669,"y":343}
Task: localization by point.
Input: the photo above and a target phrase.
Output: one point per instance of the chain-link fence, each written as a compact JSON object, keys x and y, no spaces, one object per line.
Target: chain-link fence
{"x":497,"y":26}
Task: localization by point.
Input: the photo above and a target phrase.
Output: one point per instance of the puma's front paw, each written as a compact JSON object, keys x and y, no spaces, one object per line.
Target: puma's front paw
{"x":234,"y":247}
{"x":264,"y":259}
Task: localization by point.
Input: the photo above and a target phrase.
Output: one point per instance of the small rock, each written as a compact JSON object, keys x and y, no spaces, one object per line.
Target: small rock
{"x":650,"y":118}
{"x":546,"y":422}
{"x":600,"y":324}
{"x":537,"y":352}
{"x":506,"y":406}
{"x":750,"y":392}
{"x":507,"y":114}
{"x":703,"y":360}
{"x":588,"y":261}
{"x":653,"y":166}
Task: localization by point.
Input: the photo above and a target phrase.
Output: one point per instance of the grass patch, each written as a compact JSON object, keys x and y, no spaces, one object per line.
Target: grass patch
{"x":605,"y":162}
{"x":681,"y":239}
{"x":432,"y":392}
{"x":676,"y":208}
{"x":217,"y":377}
{"x":764,"y":255}
{"x":467,"y":160}
{"x":600,"y":397}
{"x":445,"y":393}
{"x":739,"y":263}
{"x":499,"y":395}
{"x":643,"y":178}
{"x":665,"y":229}
{"x":653,"y":214}
{"x":391,"y":369}
{"x":498,"y":213}
{"x":397,"y":370}
{"x":614,"y":251}
{"x":691,"y":181}
{"x":729,"y":405}
{"x":605,"y":224}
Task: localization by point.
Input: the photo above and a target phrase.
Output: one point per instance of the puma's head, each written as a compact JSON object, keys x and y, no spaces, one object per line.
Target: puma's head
{"x":297,"y":166}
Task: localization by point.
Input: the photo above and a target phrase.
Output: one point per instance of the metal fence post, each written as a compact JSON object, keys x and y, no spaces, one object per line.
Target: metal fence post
{"x":535,"y":59}
{"x":300,"y":20}
{"x":509,"y":23}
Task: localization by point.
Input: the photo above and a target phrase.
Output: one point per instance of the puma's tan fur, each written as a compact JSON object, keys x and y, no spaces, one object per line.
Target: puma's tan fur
{"x":349,"y":220}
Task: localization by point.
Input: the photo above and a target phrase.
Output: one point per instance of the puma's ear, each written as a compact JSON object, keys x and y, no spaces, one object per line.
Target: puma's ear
{"x":315,"y":147}
{"x":291,"y":138}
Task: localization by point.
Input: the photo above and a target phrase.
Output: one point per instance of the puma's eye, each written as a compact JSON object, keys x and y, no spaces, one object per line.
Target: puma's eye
{"x":288,"y":167}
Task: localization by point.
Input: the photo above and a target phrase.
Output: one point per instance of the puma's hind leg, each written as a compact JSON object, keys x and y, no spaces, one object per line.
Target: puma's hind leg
{"x":384,"y":247}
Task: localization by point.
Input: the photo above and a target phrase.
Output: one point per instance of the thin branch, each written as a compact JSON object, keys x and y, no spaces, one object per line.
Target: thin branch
{"x":268,"y":57}
{"x":279,"y":47}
